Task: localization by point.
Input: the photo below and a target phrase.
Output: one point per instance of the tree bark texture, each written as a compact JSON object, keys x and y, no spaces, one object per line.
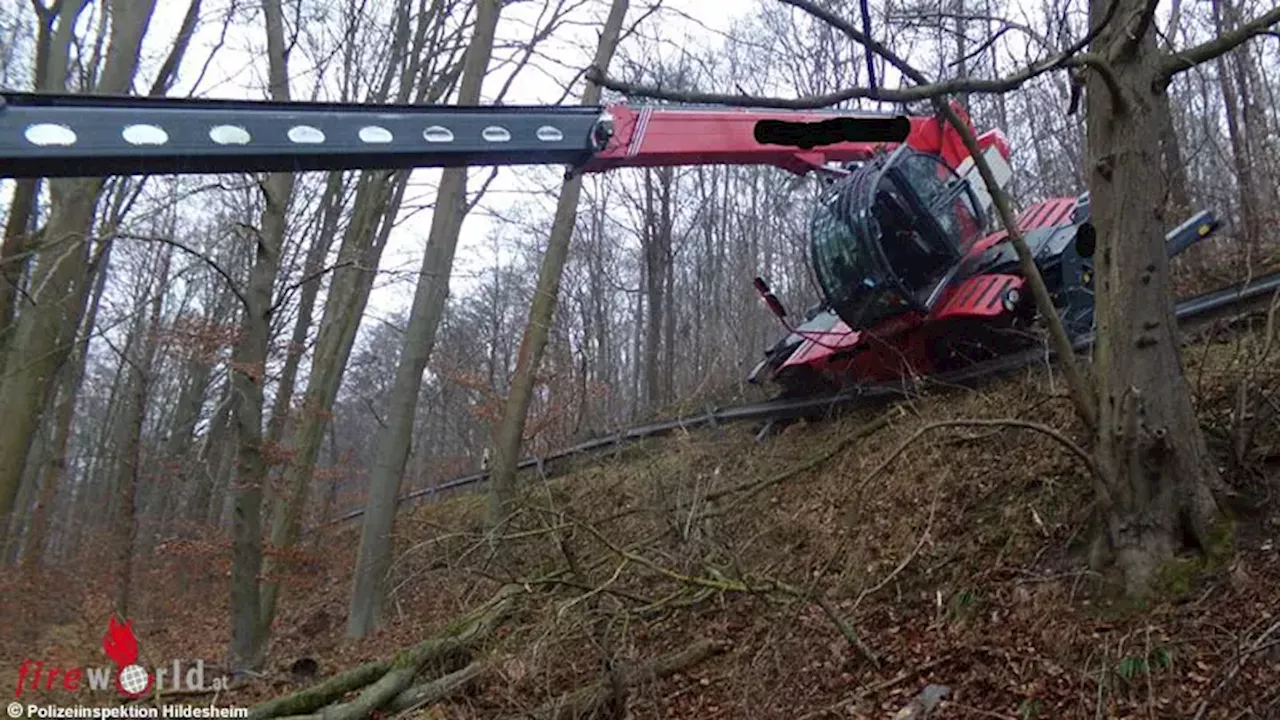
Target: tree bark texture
{"x":1150,"y":446}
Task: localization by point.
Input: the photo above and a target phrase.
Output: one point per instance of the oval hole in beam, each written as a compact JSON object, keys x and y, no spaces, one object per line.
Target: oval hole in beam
{"x":145,"y":135}
{"x":436,"y":134}
{"x":493,"y":133}
{"x":306,"y":135}
{"x":375,"y":135}
{"x":546,"y":133}
{"x":47,"y":134}
{"x":229,"y":135}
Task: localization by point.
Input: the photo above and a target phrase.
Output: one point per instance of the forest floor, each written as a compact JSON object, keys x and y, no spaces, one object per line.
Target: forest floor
{"x":836,"y":570}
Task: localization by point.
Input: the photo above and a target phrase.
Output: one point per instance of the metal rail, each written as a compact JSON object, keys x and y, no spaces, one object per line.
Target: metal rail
{"x":1200,"y":307}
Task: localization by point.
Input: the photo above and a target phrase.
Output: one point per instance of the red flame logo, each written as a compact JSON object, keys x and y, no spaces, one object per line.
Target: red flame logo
{"x":121,"y":646}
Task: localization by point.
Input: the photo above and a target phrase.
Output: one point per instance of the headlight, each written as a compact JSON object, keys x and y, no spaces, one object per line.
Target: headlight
{"x":1011,"y":298}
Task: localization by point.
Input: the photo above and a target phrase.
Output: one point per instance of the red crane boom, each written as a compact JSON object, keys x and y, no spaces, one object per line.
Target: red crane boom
{"x":45,"y":135}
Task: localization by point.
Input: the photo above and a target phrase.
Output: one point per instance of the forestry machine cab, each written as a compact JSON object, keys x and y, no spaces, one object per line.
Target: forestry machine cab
{"x":901,"y":239}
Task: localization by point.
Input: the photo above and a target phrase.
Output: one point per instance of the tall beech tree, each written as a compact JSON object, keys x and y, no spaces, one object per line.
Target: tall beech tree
{"x":1159,"y":478}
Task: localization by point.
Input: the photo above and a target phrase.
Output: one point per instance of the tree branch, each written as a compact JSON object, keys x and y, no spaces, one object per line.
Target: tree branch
{"x":1094,"y":471}
{"x":923,"y":90}
{"x":231,"y":283}
{"x":1177,"y":62}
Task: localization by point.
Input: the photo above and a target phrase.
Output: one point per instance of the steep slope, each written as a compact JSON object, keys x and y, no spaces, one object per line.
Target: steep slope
{"x":833,"y":571}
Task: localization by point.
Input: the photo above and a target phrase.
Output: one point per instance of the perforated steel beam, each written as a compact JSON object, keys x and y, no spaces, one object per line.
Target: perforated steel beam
{"x":86,"y":136}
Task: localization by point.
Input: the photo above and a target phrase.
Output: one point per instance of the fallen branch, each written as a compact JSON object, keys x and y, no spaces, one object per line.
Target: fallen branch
{"x":384,"y":681}
{"x":312,"y":698}
{"x":1041,"y":428}
{"x":846,"y":629}
{"x":586,"y":701}
{"x":755,"y":486}
{"x":436,"y":690}
{"x":1241,"y":659}
{"x":924,"y":536}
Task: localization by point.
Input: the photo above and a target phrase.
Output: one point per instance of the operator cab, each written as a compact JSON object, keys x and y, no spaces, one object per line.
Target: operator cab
{"x":888,"y":238}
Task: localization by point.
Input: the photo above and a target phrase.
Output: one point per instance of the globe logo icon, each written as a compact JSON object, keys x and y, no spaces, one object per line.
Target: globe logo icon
{"x":134,"y":680}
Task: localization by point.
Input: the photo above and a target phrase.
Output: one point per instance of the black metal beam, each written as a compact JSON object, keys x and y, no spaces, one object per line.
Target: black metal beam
{"x":93,"y":136}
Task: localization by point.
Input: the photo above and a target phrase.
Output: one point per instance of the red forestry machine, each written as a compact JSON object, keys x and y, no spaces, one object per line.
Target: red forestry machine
{"x":915,"y":277}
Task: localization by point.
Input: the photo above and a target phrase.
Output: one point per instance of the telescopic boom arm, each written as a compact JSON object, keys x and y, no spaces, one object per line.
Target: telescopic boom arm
{"x":46,"y":135}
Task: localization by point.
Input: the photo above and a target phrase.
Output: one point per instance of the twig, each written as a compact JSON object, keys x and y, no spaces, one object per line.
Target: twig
{"x":754,"y":486}
{"x":846,"y":629}
{"x":586,"y":701}
{"x":1241,"y":658}
{"x":878,"y":687}
{"x":1065,"y":441}
{"x":724,"y":585}
{"x":924,"y":536}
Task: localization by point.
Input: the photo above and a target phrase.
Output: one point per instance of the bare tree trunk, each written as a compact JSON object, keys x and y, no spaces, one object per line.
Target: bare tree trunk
{"x":1178,"y":199}
{"x":331,"y":208}
{"x":125,"y":521}
{"x":378,"y":199}
{"x":226,"y":456}
{"x":175,"y":454}
{"x":194,"y":505}
{"x":657,"y":243}
{"x":510,"y":431}
{"x":61,"y":270}
{"x":249,"y":364}
{"x":366,"y":237}
{"x":64,"y":413}
{"x":1255,"y":130}
{"x":1251,"y":225}
{"x":374,"y":555}
{"x":638,"y":357}
{"x":1156,"y":467}
{"x":52,"y":50}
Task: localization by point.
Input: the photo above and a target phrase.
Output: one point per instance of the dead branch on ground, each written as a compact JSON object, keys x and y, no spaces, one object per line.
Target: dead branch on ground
{"x":390,"y":682}
{"x":595,"y":696}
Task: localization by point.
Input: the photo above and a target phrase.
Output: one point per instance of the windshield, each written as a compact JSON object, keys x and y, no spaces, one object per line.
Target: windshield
{"x":848,"y":266}
{"x":947,"y":197}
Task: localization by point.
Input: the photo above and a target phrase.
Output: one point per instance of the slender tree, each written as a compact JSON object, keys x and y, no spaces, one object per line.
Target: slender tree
{"x":249,"y":375}
{"x":510,"y":430}
{"x":374,"y":555}
{"x":60,"y":266}
{"x":1159,"y":476}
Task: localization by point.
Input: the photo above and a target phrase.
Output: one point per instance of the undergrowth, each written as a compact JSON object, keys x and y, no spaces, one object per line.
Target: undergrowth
{"x":845,"y":564}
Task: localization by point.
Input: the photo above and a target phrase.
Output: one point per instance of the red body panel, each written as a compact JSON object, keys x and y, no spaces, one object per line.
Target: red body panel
{"x":979,"y":296}
{"x":903,"y":345}
{"x":1047,"y":213}
{"x":660,"y":137}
